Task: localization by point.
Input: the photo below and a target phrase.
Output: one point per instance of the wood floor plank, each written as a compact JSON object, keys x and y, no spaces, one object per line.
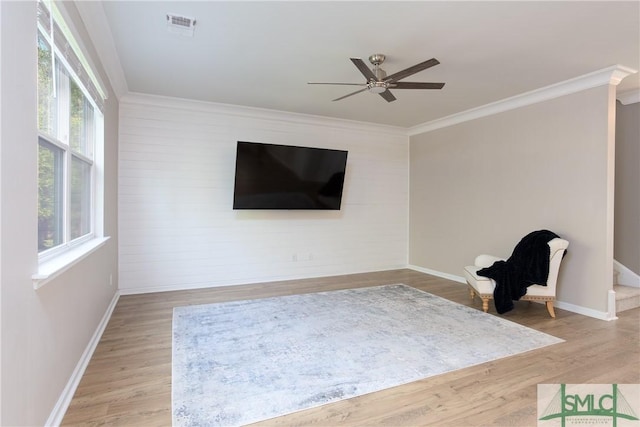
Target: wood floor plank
{"x":128,"y":380}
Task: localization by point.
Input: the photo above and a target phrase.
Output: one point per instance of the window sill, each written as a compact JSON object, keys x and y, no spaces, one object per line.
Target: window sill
{"x":52,"y":268}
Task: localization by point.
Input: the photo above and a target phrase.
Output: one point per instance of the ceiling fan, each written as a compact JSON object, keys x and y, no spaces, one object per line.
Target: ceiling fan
{"x":378,"y":81}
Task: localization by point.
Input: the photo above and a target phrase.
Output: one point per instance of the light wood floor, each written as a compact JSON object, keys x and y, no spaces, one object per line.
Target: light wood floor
{"x":128,"y":381}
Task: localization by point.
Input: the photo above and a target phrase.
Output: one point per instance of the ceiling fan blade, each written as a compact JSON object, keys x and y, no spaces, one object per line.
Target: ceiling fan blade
{"x":343,"y":84}
{"x":416,"y":85}
{"x":411,"y":70}
{"x":353,"y":93}
{"x":366,"y":71}
{"x":388,"y":96}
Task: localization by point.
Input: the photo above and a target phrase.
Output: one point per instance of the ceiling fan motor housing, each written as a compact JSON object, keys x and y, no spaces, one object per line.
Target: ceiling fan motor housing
{"x":377,"y":58}
{"x":378,"y":86}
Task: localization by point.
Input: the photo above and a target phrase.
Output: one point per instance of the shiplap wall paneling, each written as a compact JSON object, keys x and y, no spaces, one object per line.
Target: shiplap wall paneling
{"x":176,"y":223}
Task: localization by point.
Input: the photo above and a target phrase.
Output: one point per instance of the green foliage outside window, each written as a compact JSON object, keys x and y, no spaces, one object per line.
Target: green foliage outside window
{"x":49,"y":197}
{"x":75,"y":130}
{"x":48,"y":230}
{"x":45,"y":87}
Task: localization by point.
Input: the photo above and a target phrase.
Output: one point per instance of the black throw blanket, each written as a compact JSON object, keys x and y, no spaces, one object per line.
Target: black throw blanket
{"x":527,"y":265}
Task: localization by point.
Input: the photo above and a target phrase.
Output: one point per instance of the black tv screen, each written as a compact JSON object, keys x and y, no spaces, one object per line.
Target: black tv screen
{"x":271,"y":176}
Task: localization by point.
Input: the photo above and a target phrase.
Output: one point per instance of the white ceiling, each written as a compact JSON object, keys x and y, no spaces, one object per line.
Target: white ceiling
{"x":262,"y":54}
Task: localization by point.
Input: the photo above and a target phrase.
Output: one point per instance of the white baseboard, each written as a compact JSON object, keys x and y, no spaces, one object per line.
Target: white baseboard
{"x":626,"y":277}
{"x":602,"y":315}
{"x":611,"y":305}
{"x":436,"y":273}
{"x":585,"y":311}
{"x":57,"y":414}
{"x":214,"y":284}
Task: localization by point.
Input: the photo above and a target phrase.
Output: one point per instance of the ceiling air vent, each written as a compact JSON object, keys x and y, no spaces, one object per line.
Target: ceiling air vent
{"x":181,"y":25}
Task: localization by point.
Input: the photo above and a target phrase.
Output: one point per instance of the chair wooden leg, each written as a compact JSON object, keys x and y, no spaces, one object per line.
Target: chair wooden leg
{"x":485,"y":304}
{"x":472,"y":294}
{"x":549,"y":305}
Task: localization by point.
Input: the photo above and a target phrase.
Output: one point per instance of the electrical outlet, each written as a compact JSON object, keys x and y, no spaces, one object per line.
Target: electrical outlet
{"x":110,"y":279}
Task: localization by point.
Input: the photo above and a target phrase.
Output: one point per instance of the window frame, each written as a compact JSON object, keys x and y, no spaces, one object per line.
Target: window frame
{"x":67,"y":242}
{"x":56,"y":259}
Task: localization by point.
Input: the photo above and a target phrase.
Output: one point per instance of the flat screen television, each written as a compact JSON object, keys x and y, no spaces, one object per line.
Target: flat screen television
{"x":272,"y":176}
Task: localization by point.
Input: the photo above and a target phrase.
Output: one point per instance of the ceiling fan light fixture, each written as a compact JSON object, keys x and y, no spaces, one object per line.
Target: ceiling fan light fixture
{"x":377,"y":87}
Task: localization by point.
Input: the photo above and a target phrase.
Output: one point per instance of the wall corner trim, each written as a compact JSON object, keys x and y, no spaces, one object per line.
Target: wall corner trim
{"x":612,"y":75}
{"x":61,"y":406}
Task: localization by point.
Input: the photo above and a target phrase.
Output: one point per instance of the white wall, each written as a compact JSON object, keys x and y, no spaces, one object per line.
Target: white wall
{"x":44,"y":332}
{"x":0,"y":216}
{"x":177,"y":228}
{"x":480,"y":186}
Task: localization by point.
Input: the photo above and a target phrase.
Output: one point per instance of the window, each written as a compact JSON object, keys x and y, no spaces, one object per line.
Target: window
{"x":69,"y":131}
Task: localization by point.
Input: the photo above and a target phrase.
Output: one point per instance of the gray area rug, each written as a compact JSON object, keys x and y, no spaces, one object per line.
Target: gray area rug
{"x":245,"y":361}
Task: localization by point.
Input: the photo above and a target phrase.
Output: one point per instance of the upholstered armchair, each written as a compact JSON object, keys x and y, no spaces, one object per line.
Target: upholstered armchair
{"x":484,"y":286}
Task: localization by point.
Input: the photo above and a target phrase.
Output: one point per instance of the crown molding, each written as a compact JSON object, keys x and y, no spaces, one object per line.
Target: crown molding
{"x":629,"y":97}
{"x":612,"y":75}
{"x":95,"y":21}
{"x":159,"y":101}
